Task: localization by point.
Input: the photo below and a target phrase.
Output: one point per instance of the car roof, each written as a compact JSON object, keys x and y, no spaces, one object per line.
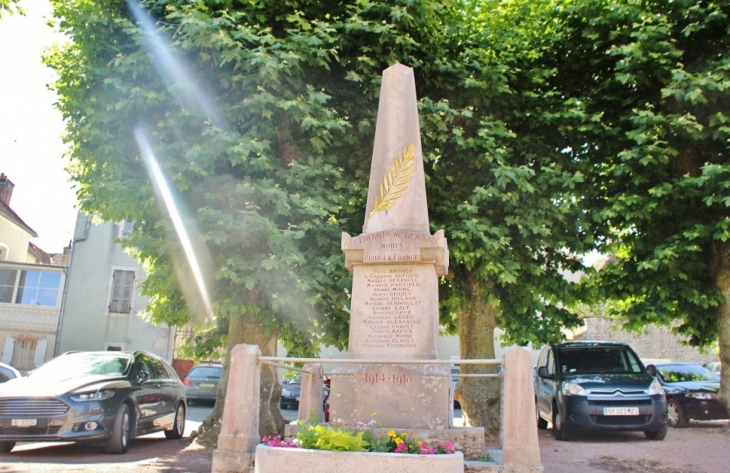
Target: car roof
{"x":589,"y":343}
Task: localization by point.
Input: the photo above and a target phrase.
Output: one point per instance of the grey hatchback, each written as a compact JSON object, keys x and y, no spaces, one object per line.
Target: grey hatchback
{"x":201,"y":382}
{"x":598,"y":385}
{"x":103,"y":397}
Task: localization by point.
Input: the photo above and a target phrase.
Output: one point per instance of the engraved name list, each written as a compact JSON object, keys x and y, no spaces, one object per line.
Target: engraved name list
{"x":391,"y":308}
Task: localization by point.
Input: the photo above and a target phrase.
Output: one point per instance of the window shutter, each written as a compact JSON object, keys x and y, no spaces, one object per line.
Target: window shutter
{"x":122,"y":290}
{"x":40,"y":353}
{"x":126,"y":302}
{"x":7,"y":356}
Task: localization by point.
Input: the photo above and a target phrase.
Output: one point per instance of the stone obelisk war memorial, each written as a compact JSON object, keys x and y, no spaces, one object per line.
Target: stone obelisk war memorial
{"x":395,"y":264}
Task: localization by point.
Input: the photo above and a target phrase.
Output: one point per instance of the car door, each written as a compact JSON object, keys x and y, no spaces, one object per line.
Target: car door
{"x":148,"y":393}
{"x":545,"y":388}
{"x":168,"y":395}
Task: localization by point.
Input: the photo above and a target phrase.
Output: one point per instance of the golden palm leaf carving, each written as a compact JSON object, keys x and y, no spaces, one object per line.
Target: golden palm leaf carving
{"x":396,"y":180}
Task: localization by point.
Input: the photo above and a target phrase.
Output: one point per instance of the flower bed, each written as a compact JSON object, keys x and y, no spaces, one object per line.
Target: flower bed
{"x":323,"y":448}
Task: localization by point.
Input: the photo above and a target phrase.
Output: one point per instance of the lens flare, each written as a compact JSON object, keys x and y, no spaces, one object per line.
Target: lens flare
{"x":168,"y":203}
{"x":179,"y":79}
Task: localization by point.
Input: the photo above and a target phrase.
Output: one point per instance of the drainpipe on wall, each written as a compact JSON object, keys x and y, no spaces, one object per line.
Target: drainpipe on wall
{"x":65,"y":285}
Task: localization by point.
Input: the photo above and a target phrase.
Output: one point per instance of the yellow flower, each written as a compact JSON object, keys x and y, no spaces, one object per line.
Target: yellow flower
{"x":420,"y":442}
{"x":398,"y":441}
{"x":391,"y":433}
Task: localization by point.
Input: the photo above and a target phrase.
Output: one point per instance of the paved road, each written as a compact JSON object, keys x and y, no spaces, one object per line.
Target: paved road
{"x":702,"y":448}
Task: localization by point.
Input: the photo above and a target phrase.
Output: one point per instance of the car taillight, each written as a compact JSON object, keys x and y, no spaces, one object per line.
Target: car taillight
{"x":186,"y":382}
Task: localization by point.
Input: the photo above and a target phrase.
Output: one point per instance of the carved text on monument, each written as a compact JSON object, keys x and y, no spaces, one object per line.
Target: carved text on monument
{"x":391,"y":307}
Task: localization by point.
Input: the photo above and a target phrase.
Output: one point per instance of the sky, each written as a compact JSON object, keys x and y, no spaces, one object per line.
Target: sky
{"x":31,"y":148}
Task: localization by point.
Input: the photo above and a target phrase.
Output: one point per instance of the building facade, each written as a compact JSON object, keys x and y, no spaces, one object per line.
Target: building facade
{"x":103,"y":305}
{"x":31,"y":290}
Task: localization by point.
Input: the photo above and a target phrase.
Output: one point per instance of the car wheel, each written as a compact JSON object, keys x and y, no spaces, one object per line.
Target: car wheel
{"x":119,"y":441}
{"x":178,"y":427}
{"x":541,"y":423}
{"x":5,"y":447}
{"x":675,"y":417}
{"x":558,"y":430}
{"x":656,"y":434}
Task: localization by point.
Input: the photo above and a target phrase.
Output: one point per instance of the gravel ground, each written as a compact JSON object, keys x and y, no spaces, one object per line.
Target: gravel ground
{"x":701,"y":448}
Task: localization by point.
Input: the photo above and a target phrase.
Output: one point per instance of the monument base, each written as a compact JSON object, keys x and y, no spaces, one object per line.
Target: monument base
{"x":406,"y":396}
{"x":299,"y":460}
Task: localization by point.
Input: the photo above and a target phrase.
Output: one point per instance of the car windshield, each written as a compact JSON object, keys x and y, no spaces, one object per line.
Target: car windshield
{"x":74,"y":365}
{"x":205,"y":372}
{"x":683,"y":373}
{"x":593,"y":360}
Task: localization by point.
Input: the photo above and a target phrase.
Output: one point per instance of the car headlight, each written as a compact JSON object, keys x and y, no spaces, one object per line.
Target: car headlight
{"x":573,"y":389}
{"x":287,"y":393}
{"x":702,"y":395}
{"x":92,"y":396}
{"x":656,"y":387}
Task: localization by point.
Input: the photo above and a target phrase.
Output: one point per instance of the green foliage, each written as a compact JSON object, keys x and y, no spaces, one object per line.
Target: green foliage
{"x":549,"y":129}
{"x":320,"y":437}
{"x":11,"y":7}
{"x":657,"y":75}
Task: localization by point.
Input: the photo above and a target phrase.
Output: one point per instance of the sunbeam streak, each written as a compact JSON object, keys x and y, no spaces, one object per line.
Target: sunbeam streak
{"x":163,"y":190}
{"x":173,"y":70}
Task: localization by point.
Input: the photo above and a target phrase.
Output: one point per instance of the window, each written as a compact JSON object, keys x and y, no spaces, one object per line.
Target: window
{"x":122,"y":289}
{"x":126,"y":227}
{"x":113,"y":348}
{"x":7,"y":284}
{"x":38,"y":288}
{"x":30,"y":287}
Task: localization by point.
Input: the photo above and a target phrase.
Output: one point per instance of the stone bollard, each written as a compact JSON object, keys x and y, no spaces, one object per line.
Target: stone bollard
{"x":311,"y":399}
{"x":520,"y":448}
{"x":240,"y":425}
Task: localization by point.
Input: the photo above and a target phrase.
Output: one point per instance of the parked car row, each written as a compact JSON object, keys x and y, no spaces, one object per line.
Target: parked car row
{"x":603,"y":386}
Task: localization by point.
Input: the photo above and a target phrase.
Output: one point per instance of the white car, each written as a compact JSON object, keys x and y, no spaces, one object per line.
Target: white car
{"x":7,"y":373}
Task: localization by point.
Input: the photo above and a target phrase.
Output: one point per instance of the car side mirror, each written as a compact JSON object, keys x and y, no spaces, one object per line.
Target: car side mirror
{"x":543,"y":373}
{"x":651,"y":369}
{"x":142,"y":377}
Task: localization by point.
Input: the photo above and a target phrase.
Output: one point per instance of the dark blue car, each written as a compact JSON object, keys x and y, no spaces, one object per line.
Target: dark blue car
{"x":691,"y":393}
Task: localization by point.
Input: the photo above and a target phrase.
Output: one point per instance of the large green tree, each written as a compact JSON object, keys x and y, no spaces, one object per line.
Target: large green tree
{"x":657,"y":75}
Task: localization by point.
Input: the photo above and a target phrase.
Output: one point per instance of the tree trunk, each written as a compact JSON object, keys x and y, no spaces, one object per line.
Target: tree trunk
{"x":721,"y":276}
{"x":248,"y":329}
{"x":479,"y":397}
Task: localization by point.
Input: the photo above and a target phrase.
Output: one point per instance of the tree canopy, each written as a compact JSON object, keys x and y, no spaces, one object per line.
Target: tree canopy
{"x":549,"y":129}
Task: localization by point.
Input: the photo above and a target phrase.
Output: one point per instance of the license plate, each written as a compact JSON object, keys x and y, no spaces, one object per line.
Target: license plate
{"x":206,"y":385}
{"x":620,"y":411}
{"x":24,"y":422}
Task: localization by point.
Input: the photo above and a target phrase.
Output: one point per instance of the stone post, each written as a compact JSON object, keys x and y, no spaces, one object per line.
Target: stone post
{"x":520,"y":448}
{"x":311,"y":399}
{"x":240,"y":425}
